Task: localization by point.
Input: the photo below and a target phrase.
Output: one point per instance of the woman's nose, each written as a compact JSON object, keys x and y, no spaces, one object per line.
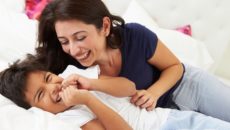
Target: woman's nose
{"x":74,"y":50}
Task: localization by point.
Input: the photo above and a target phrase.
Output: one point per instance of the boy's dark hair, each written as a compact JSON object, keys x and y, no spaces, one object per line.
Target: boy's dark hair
{"x":13,"y":79}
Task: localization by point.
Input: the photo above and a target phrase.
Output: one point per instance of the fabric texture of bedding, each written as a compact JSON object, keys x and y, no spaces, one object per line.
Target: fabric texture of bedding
{"x":17,"y":118}
{"x":18,"y":36}
{"x":186,"y":48}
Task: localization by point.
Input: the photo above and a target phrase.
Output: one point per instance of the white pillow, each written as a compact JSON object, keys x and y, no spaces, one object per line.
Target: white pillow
{"x":186,"y":48}
{"x":14,"y":5}
{"x":115,"y":9}
{"x":14,"y":117}
{"x":136,"y":13}
{"x":18,"y":35}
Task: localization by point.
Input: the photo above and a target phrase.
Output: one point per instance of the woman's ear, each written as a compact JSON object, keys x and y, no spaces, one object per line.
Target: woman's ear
{"x":106,"y":25}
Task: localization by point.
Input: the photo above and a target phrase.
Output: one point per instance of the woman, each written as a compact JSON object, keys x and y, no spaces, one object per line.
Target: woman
{"x":84,"y":33}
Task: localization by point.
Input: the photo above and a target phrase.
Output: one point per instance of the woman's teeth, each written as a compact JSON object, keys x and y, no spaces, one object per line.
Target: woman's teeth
{"x":83,"y":56}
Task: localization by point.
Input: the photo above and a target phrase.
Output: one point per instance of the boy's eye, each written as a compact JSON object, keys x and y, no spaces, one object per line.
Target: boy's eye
{"x":48,"y":78}
{"x":39,"y":95}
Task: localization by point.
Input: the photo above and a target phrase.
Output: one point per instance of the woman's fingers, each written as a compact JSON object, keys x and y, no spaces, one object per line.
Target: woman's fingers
{"x":67,"y":95}
{"x":135,"y":97}
{"x":144,"y":99}
{"x":70,"y":80}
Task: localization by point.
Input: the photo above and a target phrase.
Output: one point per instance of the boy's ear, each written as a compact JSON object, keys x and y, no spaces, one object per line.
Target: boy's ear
{"x":106,"y":26}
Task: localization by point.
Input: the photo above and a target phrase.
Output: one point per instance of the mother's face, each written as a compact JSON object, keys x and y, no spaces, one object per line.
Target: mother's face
{"x":84,"y":42}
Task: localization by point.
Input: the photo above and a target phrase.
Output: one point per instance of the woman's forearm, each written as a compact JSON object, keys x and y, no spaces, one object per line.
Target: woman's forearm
{"x":116,"y":86}
{"x":167,"y":80}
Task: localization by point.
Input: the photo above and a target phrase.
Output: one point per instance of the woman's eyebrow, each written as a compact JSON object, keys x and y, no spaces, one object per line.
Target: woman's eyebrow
{"x":75,"y":33}
{"x":78,"y":33}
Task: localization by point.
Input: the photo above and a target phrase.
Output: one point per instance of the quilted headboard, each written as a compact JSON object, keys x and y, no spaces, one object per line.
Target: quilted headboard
{"x":209,"y":19}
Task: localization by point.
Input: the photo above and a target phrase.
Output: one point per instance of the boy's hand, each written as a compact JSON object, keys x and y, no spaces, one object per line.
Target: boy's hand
{"x":78,"y":81}
{"x":72,"y":96}
{"x":144,"y":99}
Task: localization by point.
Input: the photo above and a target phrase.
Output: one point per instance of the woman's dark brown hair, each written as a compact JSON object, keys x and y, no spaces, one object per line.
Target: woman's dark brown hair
{"x":88,"y":11}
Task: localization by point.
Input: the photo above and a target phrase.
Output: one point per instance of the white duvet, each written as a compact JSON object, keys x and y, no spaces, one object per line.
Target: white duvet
{"x":18,"y":36}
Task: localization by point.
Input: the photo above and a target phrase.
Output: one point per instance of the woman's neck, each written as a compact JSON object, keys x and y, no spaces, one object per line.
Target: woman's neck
{"x":110,"y":62}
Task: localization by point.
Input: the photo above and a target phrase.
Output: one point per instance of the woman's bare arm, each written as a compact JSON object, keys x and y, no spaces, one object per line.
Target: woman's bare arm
{"x":116,"y":86}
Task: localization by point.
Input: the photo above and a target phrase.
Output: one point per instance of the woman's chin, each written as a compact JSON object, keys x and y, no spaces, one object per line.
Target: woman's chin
{"x":86,"y":64}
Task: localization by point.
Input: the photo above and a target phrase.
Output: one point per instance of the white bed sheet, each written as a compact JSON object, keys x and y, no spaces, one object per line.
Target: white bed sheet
{"x":16,"y":118}
{"x":18,"y":36}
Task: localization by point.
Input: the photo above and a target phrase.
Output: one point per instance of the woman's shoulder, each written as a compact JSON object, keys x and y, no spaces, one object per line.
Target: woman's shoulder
{"x":137,"y":28}
{"x":134,"y":26}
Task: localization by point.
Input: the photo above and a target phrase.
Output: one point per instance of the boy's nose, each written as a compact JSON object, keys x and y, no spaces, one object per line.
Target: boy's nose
{"x":55,"y":92}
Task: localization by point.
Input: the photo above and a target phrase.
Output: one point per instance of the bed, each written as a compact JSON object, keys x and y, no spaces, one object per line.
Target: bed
{"x":208,"y":46}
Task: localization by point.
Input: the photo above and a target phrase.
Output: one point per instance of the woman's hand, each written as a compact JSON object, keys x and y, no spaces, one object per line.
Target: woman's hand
{"x":72,"y":96}
{"x":144,"y":99}
{"x":78,"y":81}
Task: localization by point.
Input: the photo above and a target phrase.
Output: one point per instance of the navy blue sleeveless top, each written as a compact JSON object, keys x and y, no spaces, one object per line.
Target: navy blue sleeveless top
{"x":139,"y":45}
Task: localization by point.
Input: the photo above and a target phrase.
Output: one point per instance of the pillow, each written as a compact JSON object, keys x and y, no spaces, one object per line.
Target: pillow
{"x":17,"y":118}
{"x":123,"y":4}
{"x":18,"y":36}
{"x":14,"y":117}
{"x":14,"y":5}
{"x":186,"y":48}
{"x":136,"y":13}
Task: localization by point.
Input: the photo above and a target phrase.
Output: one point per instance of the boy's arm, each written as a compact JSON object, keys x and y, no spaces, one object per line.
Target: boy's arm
{"x":107,"y":118}
{"x":116,"y":86}
{"x":94,"y":124}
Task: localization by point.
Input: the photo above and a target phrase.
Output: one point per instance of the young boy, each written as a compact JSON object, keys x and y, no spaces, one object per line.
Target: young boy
{"x":30,"y":85}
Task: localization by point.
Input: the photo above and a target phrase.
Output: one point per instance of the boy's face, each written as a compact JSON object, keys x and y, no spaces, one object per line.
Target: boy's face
{"x":42,"y":91}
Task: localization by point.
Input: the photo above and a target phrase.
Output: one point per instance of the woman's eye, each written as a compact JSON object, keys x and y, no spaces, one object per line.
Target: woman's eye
{"x":80,"y":38}
{"x":63,"y":42}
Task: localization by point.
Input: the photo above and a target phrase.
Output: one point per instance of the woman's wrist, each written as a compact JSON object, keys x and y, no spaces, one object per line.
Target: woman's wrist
{"x":157,"y":93}
{"x":89,"y":99}
{"x":93,"y":84}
